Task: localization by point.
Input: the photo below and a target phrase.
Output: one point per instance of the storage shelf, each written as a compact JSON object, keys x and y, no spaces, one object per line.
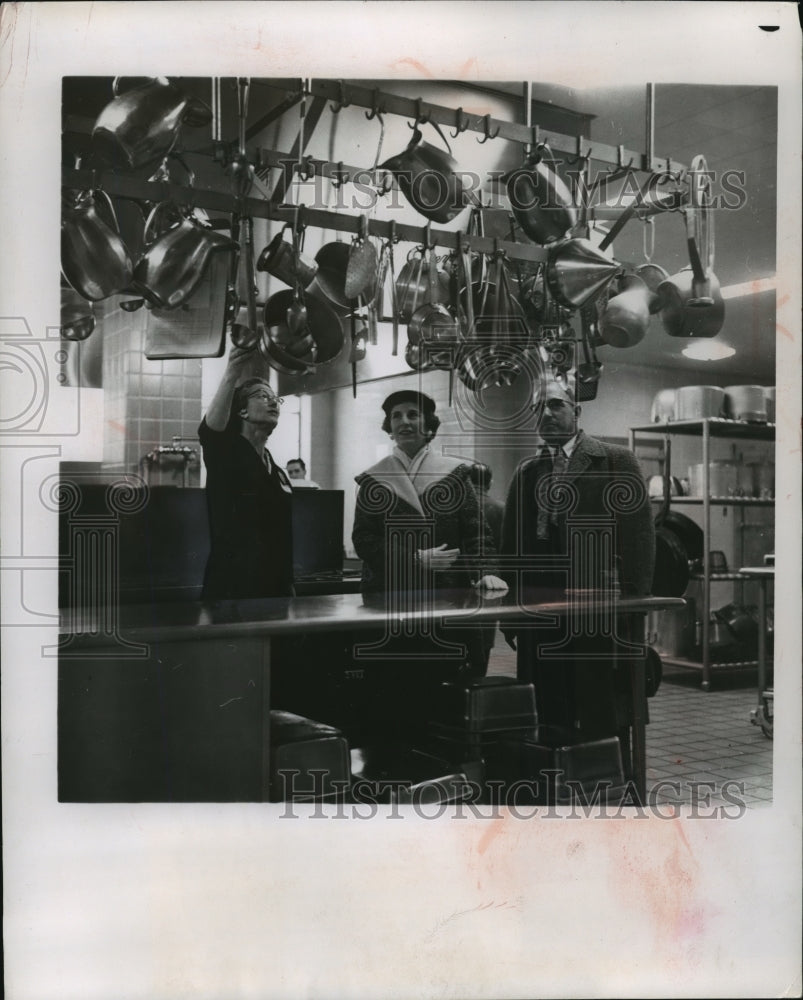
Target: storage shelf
{"x":714,"y":577}
{"x":704,"y":430}
{"x":726,"y":501}
{"x":682,"y":661}
{"x":717,"y":426}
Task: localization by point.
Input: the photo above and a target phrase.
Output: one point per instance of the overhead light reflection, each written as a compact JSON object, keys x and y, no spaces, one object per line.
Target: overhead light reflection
{"x":708,"y":350}
{"x":749,"y":288}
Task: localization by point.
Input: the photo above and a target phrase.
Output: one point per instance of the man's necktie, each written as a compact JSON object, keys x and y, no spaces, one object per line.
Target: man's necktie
{"x":551,"y":464}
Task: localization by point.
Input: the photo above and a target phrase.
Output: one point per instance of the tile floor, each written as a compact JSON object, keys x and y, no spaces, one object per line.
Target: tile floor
{"x":697,"y":736}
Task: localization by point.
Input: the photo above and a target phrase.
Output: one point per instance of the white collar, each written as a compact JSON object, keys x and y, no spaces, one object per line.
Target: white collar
{"x":567,"y":448}
{"x":411,"y":465}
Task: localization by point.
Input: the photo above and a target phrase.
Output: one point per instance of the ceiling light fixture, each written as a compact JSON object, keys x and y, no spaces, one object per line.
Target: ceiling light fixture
{"x":708,"y":350}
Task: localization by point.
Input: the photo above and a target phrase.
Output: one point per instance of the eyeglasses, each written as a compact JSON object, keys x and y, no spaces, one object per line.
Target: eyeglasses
{"x":552,"y":405}
{"x":267,"y":396}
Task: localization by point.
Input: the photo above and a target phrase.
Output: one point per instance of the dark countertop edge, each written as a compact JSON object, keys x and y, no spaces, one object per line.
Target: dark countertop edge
{"x":181,"y":622}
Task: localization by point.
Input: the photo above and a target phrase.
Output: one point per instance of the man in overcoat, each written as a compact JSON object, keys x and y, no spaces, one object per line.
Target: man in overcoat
{"x":577,"y":518}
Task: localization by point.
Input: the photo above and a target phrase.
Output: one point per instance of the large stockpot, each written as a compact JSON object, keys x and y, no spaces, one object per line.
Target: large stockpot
{"x":697,"y":402}
{"x":769,"y":402}
{"x":723,"y":479}
{"x":663,"y":407}
{"x":746,"y":402}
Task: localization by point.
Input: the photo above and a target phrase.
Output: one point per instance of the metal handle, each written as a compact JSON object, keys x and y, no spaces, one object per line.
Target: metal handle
{"x":116,"y":224}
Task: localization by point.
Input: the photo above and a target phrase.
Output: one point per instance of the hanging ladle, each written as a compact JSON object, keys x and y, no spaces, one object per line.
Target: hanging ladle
{"x":297,"y":310}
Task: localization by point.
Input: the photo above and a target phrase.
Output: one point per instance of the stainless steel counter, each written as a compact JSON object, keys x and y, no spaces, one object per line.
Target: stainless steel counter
{"x":172,"y":702}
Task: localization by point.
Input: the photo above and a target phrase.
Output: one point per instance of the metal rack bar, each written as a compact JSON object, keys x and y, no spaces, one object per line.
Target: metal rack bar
{"x":219,"y":201}
{"x":310,"y":119}
{"x":288,"y":162}
{"x":576,"y":148}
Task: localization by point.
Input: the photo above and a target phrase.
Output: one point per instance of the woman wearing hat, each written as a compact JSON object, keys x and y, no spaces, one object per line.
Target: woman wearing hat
{"x":431,"y":497}
{"x":416,"y":528}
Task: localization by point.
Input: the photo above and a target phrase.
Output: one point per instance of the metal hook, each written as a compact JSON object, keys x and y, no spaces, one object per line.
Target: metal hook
{"x":340,"y":177}
{"x":420,"y":117}
{"x":580,"y":154}
{"x":299,"y":223}
{"x":306,"y":170}
{"x":428,"y":236}
{"x":488,"y":134}
{"x":621,"y":159}
{"x":387,"y":184}
{"x":343,"y":101}
{"x":531,"y":147}
{"x":393,"y":237}
{"x":376,"y":107}
{"x":460,"y":122}
{"x":648,"y":245}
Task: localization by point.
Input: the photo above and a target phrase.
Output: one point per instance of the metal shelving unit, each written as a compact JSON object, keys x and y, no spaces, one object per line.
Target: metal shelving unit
{"x":712,"y":427}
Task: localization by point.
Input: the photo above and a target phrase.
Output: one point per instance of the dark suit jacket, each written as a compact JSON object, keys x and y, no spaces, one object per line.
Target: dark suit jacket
{"x":581,"y":698}
{"x":605,"y":481}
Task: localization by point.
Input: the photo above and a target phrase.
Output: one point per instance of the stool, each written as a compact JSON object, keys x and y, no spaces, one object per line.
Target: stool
{"x":307,"y":758}
{"x":415,"y":776}
{"x":483,"y":705}
{"x":584,"y":764}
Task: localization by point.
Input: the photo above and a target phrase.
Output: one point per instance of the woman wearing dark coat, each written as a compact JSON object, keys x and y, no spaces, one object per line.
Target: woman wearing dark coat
{"x":248,"y":495}
{"x":417,"y":531}
{"x":420,"y":505}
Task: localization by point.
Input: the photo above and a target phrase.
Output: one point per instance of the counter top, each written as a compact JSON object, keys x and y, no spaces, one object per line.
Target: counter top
{"x":282,"y":616}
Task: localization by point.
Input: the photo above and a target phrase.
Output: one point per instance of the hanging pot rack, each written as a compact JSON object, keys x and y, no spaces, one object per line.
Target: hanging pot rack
{"x":342,"y":95}
{"x":225,"y":203}
{"x":576,"y":147}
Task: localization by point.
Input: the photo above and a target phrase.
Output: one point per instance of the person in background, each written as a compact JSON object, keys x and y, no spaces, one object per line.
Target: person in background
{"x":297,"y":471}
{"x":491,"y":514}
{"x":579,"y":692}
{"x":248,"y":495}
